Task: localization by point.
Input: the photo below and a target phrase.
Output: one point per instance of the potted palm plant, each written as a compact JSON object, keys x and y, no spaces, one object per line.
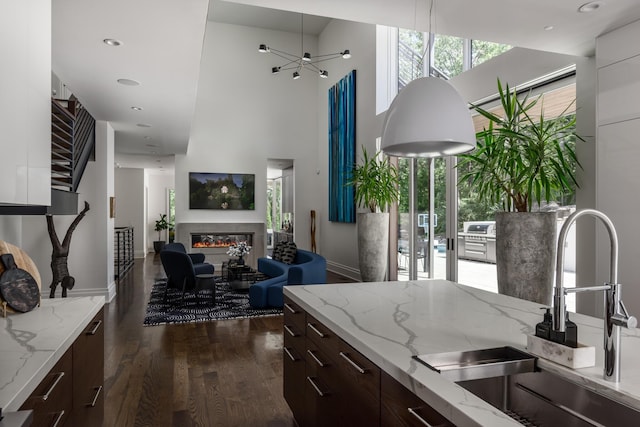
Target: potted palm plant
{"x":376,"y":187}
{"x":523,"y":160}
{"x":161,"y":225}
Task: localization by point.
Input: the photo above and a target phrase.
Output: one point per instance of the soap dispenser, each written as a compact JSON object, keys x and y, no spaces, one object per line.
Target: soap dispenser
{"x":543,"y":329}
{"x":571,"y":335}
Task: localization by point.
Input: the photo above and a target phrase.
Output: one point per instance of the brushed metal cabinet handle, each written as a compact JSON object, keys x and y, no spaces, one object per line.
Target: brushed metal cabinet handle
{"x":413,"y":412}
{"x":315,"y":386}
{"x":318,"y":361}
{"x":95,"y":328}
{"x":352,"y":363}
{"x":47,"y":393}
{"x":314,"y":329}
{"x":288,"y":329}
{"x":58,"y":419}
{"x":291,"y":309}
{"x":95,"y":396}
{"x":291,"y":356}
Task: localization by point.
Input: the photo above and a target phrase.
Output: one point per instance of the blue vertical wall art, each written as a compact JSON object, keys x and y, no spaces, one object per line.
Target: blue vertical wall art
{"x":342,"y":148}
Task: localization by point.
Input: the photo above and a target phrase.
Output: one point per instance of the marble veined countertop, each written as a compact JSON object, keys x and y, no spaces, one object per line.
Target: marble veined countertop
{"x":391,"y":321}
{"x":32,"y":343}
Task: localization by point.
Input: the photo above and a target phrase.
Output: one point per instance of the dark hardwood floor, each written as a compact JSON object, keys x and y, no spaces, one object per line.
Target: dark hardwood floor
{"x":221,"y":373}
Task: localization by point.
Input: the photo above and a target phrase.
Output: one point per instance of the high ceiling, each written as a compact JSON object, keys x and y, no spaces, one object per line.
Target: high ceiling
{"x":162,"y":45}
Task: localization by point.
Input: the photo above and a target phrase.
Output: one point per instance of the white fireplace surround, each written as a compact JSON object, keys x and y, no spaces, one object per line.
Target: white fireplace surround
{"x":217,"y":256}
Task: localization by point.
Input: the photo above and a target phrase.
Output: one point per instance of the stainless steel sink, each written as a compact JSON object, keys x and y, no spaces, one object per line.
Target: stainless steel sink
{"x":475,"y":364}
{"x":545,"y":399}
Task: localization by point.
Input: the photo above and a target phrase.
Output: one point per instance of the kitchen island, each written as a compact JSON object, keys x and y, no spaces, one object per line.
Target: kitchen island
{"x":36,"y":343}
{"x":390,"y":322}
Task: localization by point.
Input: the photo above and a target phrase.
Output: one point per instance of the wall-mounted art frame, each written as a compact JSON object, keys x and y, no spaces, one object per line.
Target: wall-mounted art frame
{"x":221,"y":191}
{"x":342,"y":149}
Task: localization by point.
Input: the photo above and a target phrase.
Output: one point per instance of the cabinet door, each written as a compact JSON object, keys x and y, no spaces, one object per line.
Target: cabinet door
{"x":51,"y":401}
{"x":400,"y":407}
{"x":88,"y":374}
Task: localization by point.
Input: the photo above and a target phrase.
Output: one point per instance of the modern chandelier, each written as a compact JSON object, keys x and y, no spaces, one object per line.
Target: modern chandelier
{"x":304,"y":61}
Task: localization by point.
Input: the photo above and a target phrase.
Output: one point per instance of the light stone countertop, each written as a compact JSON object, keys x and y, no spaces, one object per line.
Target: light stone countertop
{"x":32,"y":343}
{"x":389,"y":322}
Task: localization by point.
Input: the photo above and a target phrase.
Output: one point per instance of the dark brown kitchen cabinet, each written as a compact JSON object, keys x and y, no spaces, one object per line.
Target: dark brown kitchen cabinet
{"x":72,"y":393}
{"x":52,"y":400}
{"x":329,"y":383}
{"x":400,"y":407}
{"x":294,"y":359}
{"x":88,"y":374}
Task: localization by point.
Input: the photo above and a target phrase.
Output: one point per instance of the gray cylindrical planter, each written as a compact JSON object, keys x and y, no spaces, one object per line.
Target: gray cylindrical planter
{"x":526,"y":254}
{"x":373,"y":246}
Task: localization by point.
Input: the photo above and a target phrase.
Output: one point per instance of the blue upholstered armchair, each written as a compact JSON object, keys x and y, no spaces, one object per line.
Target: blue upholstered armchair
{"x":200,"y":266}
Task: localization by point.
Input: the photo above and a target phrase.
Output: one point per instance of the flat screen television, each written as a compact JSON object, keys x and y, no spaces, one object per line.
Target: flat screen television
{"x":221,"y":191}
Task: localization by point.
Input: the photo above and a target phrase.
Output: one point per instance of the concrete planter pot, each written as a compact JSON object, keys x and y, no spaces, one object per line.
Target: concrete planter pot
{"x":526,"y":253}
{"x":373,"y":246}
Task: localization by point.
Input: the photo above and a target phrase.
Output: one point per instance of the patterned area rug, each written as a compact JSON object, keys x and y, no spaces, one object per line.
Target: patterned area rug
{"x":230,"y":304}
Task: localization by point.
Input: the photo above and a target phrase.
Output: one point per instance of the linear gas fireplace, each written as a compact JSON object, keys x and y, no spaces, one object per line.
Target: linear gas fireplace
{"x":214,"y":238}
{"x":217,"y":240}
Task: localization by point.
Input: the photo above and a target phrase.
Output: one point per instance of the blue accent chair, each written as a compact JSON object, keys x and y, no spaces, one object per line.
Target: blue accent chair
{"x":181,"y":273}
{"x":199,"y":264}
{"x":308,"y":268}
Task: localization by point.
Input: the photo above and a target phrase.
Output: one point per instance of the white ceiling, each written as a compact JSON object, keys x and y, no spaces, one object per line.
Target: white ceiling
{"x":162,"y":45}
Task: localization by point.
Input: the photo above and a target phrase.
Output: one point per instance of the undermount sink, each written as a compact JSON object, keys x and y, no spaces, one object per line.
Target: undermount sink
{"x":475,"y":364}
{"x":509,"y":379}
{"x":545,"y":399}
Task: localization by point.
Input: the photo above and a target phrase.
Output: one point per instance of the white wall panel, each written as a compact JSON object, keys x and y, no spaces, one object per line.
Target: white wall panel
{"x":618,"y":44}
{"x":619,"y":91}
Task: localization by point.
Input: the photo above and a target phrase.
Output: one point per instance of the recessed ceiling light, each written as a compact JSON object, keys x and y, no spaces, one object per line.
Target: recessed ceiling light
{"x":158,"y":161}
{"x":112,"y":42}
{"x":136,"y":108}
{"x":151,"y":145}
{"x":548,"y":27}
{"x":128,"y":82}
{"x":147,"y":137}
{"x":591,"y":6}
{"x":143,"y":125}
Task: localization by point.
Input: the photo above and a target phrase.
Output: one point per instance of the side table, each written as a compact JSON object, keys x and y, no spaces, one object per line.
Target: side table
{"x":204,"y":281}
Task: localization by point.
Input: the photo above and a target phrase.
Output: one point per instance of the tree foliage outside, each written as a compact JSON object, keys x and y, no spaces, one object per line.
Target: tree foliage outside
{"x":482,"y":51}
{"x":448,"y":54}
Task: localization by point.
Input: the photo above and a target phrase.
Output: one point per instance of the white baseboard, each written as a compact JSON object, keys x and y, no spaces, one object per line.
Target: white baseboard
{"x":139,"y":254}
{"x":344,"y":270}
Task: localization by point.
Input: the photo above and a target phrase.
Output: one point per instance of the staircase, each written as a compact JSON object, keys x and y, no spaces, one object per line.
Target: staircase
{"x":72,"y":146}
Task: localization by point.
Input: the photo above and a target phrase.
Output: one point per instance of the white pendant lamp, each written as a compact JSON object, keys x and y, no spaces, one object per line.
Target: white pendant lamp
{"x":428,"y":118}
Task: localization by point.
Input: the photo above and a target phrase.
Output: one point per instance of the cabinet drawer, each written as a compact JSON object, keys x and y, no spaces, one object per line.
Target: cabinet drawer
{"x":400,"y":407}
{"x":52,"y":400}
{"x":323,"y":337}
{"x":293,"y":314}
{"x":294,"y":338}
{"x":360,"y":380}
{"x":88,"y":374}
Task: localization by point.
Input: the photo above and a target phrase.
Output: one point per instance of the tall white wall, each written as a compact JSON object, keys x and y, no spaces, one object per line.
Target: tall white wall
{"x":618,"y":154}
{"x":245,"y":115}
{"x":157,"y":188}
{"x":338,"y":242}
{"x":130,"y":205}
{"x":91,"y":252}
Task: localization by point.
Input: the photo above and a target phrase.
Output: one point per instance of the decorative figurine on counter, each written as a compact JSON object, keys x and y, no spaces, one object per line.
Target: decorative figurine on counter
{"x":60,"y":253}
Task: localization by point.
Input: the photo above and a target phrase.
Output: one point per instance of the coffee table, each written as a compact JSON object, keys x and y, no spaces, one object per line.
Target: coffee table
{"x":241,"y":277}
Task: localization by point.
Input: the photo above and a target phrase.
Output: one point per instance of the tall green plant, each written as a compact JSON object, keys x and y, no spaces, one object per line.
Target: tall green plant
{"x":375,"y":181}
{"x":520,"y":159}
{"x":161,"y":224}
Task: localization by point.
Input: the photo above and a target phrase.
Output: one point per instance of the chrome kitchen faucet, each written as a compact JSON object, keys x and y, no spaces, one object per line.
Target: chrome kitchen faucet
{"x":615,"y":313}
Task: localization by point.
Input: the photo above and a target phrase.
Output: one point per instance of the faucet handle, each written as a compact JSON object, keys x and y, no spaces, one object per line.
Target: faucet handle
{"x":623,"y":319}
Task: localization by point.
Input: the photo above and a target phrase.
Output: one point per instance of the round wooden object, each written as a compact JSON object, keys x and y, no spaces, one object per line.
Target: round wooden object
{"x":24,"y":262}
